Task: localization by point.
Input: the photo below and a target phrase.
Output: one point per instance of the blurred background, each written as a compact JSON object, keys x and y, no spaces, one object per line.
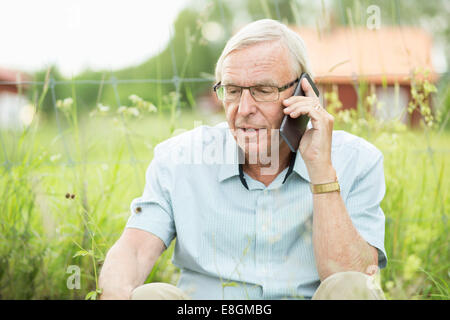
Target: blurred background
{"x":88,"y":88}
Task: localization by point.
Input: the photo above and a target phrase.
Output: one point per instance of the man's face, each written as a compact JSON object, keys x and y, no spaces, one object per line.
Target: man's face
{"x":265,"y":63}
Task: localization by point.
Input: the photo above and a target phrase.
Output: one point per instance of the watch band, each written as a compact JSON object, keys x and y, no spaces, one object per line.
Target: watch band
{"x":325,"y":187}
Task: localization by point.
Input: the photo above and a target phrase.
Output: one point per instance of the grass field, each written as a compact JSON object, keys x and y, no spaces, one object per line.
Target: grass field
{"x":102,"y":161}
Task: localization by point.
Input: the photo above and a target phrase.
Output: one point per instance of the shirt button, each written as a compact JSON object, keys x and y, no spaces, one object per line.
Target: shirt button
{"x":265,"y":191}
{"x":138,"y":209}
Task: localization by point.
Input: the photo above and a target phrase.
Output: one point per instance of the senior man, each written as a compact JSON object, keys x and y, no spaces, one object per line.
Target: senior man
{"x":259,"y":227}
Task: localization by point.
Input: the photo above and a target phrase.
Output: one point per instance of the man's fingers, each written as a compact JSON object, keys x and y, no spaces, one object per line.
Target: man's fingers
{"x":294,"y":103}
{"x":301,"y":100}
{"x":306,"y":86}
{"x":295,"y":112}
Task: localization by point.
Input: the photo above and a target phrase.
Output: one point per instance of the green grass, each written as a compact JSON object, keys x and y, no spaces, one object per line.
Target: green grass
{"x":41,"y":230}
{"x":416,"y":207}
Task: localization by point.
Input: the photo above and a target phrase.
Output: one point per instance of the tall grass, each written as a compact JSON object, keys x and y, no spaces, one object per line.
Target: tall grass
{"x":65,"y":194}
{"x":42,"y":230}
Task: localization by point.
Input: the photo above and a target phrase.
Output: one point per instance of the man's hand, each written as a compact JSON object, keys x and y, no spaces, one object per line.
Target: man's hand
{"x":338,"y":246}
{"x":315,"y":145}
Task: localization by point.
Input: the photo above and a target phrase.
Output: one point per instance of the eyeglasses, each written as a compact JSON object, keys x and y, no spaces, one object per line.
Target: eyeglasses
{"x":232,"y":93}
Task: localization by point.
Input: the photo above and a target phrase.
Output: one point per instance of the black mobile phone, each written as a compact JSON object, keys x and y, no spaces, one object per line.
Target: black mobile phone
{"x":292,"y":129}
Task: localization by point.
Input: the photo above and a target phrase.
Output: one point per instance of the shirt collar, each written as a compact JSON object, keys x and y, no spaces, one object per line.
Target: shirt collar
{"x":300,"y":167}
{"x":234,"y":168}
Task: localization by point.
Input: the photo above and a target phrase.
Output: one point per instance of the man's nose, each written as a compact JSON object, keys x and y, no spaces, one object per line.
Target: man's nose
{"x":247,"y":103}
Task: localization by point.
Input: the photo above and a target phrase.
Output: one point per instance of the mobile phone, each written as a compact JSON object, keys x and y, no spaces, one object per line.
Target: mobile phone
{"x":292,"y":129}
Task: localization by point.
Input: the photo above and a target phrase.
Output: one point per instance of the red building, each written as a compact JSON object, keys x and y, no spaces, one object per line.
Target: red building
{"x":8,"y":76}
{"x":384,"y":59}
{"x":14,"y":109}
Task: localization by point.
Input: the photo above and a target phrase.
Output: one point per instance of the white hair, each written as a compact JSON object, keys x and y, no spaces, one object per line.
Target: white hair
{"x":268,"y":30}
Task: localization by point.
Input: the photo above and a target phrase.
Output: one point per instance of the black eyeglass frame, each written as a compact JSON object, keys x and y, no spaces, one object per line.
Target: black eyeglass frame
{"x":280,"y":89}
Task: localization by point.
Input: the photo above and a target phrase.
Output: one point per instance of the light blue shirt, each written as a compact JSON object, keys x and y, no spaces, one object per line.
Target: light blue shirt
{"x":255,"y":243}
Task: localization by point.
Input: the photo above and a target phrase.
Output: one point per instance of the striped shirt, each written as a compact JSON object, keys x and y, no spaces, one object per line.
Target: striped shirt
{"x":237,"y":238}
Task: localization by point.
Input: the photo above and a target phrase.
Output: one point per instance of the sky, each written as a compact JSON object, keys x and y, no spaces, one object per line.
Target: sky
{"x":99,"y":34}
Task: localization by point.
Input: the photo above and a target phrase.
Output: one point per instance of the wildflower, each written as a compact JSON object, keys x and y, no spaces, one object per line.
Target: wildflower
{"x":102,"y":108}
{"x":371,"y":99}
{"x":64,"y":105}
{"x":411,"y":266}
{"x":68,"y":102}
{"x":418,"y":237}
{"x":55,"y":157}
{"x":67,"y":195}
{"x":128,"y":111}
{"x":140,"y":103}
{"x":135,"y":99}
{"x":148,"y":145}
{"x":429,"y":87}
{"x":389,"y":285}
{"x":122,"y":109}
{"x":151,"y":107}
{"x":345,"y":116}
{"x":133,"y":111}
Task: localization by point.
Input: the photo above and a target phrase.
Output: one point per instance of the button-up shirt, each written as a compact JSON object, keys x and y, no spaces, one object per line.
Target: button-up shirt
{"x":237,"y":238}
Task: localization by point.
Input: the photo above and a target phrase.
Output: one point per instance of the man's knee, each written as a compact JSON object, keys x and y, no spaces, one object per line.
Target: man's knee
{"x":351,"y":285}
{"x":158,"y":291}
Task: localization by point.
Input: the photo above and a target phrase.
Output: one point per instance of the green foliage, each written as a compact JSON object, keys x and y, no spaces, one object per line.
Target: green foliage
{"x":44,"y":231}
{"x":101,"y":160}
{"x":421,"y":90}
{"x":415,"y":164}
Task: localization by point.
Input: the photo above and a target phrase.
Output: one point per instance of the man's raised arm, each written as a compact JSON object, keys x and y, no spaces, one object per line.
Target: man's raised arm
{"x":128,"y":263}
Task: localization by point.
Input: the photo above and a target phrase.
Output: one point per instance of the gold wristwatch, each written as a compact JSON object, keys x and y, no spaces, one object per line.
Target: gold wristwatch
{"x":325,"y":187}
